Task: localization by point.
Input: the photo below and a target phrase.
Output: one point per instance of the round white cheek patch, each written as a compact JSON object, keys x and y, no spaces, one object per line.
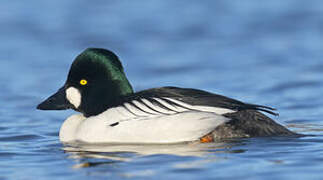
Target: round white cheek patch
{"x":73,"y":95}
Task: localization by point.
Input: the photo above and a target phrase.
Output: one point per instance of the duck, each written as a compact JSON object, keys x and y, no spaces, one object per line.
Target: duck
{"x":111,"y":112}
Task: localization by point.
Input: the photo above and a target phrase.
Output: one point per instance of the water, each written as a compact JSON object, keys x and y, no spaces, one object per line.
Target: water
{"x":267,"y":53}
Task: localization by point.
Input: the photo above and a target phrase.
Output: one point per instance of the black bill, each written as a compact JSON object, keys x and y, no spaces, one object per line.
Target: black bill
{"x":57,"y":101}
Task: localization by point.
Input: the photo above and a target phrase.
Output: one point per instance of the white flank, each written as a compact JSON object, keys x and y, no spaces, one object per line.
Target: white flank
{"x":174,"y":128}
{"x":123,"y":113}
{"x":73,"y":95}
{"x":144,"y":122}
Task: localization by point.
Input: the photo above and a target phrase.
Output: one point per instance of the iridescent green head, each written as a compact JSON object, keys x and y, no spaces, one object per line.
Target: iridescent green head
{"x":95,"y":82}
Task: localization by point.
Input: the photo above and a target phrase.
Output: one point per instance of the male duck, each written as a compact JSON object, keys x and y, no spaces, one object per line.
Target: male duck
{"x":111,"y":112}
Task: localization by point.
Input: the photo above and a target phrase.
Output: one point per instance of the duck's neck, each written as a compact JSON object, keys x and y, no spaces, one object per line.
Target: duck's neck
{"x":107,"y":96}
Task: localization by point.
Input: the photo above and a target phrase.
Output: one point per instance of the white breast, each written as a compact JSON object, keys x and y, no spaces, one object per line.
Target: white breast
{"x":145,"y":122}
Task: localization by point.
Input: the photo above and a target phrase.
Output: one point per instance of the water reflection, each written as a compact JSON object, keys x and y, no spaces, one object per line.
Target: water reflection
{"x":89,"y":155}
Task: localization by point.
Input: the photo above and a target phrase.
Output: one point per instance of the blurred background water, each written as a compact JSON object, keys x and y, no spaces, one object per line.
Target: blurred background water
{"x":267,"y":52}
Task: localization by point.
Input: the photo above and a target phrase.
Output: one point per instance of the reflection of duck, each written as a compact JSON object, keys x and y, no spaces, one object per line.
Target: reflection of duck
{"x":111,"y":112}
{"x":90,"y":155}
{"x":119,"y":151}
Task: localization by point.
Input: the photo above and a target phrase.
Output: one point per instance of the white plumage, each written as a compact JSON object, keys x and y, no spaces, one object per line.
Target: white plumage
{"x":73,"y":95}
{"x":143,"y":121}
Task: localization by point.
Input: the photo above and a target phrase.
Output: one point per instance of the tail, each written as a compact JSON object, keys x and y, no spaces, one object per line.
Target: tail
{"x":266,"y":109}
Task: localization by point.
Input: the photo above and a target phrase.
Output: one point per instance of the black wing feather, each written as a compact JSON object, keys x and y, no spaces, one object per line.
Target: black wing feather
{"x":198,"y":97}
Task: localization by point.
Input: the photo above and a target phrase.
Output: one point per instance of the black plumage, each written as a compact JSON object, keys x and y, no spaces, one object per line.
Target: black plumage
{"x":198,"y":97}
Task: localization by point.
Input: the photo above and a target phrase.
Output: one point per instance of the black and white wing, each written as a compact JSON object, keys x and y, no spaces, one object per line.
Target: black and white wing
{"x":173,"y":99}
{"x":231,"y":118}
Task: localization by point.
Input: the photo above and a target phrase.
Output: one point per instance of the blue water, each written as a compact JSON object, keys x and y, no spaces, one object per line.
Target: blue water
{"x":267,"y":52}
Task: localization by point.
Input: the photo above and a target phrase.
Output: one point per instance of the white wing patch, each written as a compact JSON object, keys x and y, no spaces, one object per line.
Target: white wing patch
{"x":136,"y":111}
{"x":162,"y":106}
{"x":217,"y":110}
{"x":145,"y":109}
{"x":174,"y":108}
{"x":156,"y":107}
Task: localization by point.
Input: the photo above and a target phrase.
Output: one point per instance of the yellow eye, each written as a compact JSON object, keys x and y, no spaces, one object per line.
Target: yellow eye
{"x":83,"y":82}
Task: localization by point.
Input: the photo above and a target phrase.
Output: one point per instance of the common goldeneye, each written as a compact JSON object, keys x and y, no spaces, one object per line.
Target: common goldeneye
{"x":111,"y":112}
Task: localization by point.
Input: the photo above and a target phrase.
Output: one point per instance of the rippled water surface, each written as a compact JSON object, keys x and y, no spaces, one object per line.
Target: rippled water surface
{"x":267,"y":52}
